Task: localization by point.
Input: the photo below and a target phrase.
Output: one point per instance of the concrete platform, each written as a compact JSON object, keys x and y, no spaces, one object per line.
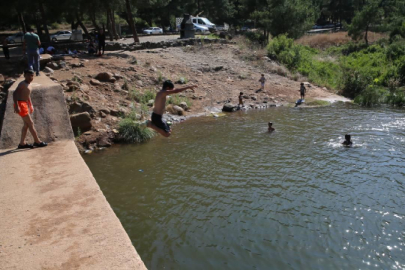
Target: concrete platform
{"x":50,"y":115}
{"x":53,"y":214}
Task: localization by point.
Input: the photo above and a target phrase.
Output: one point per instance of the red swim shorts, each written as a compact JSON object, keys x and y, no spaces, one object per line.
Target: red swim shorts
{"x":24,"y":108}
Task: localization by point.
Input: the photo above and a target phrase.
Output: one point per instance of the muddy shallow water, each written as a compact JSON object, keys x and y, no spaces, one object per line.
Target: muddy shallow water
{"x":222,"y":193}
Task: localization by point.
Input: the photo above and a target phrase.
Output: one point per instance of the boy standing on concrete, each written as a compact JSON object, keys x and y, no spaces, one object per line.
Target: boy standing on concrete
{"x":23,"y":106}
{"x":157,"y":122}
{"x":31,"y":46}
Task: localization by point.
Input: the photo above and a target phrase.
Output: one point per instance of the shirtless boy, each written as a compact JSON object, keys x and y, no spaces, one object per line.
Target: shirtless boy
{"x":23,"y":106}
{"x":157,"y":122}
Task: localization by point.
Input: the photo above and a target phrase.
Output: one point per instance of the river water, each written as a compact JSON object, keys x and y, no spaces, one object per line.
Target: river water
{"x":222,"y":193}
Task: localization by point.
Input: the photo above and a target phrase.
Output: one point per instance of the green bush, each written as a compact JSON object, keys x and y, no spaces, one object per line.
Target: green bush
{"x":144,"y":97}
{"x":257,"y":37}
{"x":396,"y":98}
{"x":371,"y":96}
{"x":176,"y":100}
{"x":134,"y":132}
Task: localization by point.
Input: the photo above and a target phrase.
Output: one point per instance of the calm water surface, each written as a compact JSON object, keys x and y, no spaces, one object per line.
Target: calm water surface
{"x":225,"y":194}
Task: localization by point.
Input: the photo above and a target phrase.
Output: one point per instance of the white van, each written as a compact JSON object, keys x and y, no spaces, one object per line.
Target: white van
{"x":200,"y":21}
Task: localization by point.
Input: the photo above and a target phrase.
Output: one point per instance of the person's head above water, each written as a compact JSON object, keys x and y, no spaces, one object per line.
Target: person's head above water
{"x":168,"y":85}
{"x":348,"y":137}
{"x":270,"y":124}
{"x":29,"y":75}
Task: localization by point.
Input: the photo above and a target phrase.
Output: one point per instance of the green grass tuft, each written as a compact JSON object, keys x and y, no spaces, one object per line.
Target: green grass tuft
{"x":133,"y":132}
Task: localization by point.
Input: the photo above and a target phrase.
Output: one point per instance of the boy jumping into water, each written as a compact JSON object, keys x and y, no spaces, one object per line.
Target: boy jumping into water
{"x":23,"y":106}
{"x":157,"y":122}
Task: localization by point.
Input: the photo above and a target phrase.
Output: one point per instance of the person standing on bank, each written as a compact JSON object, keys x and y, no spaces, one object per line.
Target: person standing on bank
{"x":31,"y":47}
{"x":101,"y":41}
{"x":5,"y":49}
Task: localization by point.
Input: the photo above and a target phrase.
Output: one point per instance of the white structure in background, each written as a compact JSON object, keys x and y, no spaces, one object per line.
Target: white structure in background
{"x":77,"y":35}
{"x":225,"y":27}
{"x":198,"y":21}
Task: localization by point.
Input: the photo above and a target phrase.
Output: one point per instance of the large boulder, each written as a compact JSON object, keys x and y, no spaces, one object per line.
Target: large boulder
{"x":81,"y":107}
{"x":48,"y":70}
{"x":184,"y":105}
{"x":95,"y":82}
{"x":80,"y":122}
{"x":105,"y":77}
{"x":229,"y":108}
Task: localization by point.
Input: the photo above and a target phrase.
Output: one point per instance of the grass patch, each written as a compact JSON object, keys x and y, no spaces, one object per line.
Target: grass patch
{"x":144,"y":97}
{"x":371,"y":74}
{"x":133,"y":132}
{"x":177,"y":100}
{"x":317,"y":102}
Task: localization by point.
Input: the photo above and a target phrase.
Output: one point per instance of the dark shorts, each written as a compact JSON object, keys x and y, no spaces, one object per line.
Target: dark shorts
{"x":158,"y":121}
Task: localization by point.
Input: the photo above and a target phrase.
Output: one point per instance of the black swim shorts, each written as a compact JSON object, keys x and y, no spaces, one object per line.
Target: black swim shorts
{"x":158,"y":121}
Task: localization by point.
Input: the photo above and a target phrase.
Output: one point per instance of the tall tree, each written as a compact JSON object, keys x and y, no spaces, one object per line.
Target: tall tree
{"x":131,"y":21}
{"x":370,"y":14}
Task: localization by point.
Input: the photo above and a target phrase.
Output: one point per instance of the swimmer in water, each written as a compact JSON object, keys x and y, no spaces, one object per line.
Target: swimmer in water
{"x":348,"y":141}
{"x":271,"y":129}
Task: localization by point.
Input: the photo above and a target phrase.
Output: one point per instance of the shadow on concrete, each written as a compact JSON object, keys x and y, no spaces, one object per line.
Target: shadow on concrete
{"x":11,"y":151}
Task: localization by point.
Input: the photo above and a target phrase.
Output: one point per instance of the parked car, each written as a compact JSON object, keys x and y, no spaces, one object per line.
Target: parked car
{"x":200,"y":21}
{"x":61,"y":35}
{"x":200,"y":28}
{"x":153,"y":30}
{"x":16,"y":38}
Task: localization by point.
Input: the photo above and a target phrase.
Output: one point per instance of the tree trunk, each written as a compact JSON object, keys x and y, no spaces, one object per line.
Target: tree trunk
{"x":131,"y":21}
{"x":110,"y":33}
{"x":38,"y":25}
{"x":22,"y":23}
{"x":366,"y":36}
{"x":79,"y":22}
{"x":93,"y":20}
{"x":42,"y":10}
{"x":113,"y":24}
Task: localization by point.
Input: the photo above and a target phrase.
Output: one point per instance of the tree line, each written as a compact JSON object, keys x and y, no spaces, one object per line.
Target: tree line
{"x":273,"y":17}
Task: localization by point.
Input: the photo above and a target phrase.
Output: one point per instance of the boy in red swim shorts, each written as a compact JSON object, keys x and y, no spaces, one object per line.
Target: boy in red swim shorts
{"x":23,"y":106}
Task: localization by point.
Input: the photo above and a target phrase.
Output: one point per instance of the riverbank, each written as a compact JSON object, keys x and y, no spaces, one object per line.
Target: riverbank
{"x":129,"y":80}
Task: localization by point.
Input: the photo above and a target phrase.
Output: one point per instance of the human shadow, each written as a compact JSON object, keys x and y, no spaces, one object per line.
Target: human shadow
{"x":11,"y":151}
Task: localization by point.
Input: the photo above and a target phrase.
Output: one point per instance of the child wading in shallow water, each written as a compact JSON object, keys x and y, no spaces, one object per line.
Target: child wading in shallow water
{"x":271,"y":129}
{"x":241,"y":99}
{"x":23,"y":106}
{"x":157,"y":122}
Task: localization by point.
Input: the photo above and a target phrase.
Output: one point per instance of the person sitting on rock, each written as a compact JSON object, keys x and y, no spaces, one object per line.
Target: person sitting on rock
{"x":92,"y":47}
{"x":241,"y":99}
{"x":157,"y":123}
{"x":348,"y":141}
{"x":23,"y":106}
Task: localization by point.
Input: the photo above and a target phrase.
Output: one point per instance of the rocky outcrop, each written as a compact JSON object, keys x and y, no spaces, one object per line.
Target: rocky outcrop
{"x":229,"y":108}
{"x":81,"y":122}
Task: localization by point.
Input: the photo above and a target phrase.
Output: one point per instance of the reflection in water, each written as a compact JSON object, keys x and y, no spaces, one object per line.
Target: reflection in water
{"x":222,"y":193}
